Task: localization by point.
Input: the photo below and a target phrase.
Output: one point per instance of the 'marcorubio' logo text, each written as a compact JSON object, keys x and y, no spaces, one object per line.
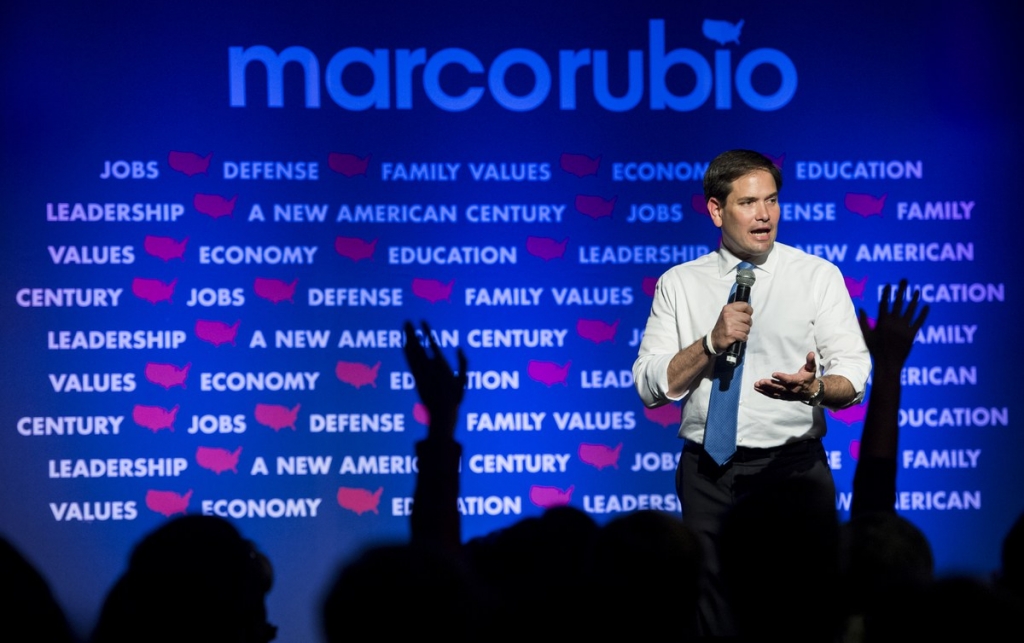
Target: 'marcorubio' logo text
{"x":397,"y":69}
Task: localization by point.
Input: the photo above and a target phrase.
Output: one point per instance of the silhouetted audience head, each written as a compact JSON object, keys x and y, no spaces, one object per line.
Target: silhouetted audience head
{"x":644,"y":572}
{"x":779,"y":551}
{"x":193,"y":579}
{"x":28,"y":610}
{"x":533,"y":572}
{"x":402,"y":592}
{"x":883,"y":554}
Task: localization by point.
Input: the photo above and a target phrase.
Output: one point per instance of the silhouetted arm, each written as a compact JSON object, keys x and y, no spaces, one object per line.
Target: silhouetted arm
{"x":435,"y":517}
{"x":890,"y":341}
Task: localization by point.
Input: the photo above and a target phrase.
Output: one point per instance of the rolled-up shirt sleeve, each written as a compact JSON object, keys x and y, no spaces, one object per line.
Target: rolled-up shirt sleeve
{"x":838,"y":338}
{"x":663,"y":338}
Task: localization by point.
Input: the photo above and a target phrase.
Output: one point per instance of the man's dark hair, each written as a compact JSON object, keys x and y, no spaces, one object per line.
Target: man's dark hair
{"x":731,"y":165}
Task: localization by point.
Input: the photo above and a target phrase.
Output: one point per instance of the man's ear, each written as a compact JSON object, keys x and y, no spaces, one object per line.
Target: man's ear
{"x":715,"y":210}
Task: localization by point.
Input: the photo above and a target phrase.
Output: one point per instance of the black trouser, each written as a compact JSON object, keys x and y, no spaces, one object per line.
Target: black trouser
{"x":707,"y":491}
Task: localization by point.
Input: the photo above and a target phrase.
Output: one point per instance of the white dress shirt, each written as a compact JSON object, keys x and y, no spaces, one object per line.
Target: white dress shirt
{"x":800,"y":304}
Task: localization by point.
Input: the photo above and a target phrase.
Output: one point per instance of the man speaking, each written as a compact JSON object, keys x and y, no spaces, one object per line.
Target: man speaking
{"x":756,"y":338}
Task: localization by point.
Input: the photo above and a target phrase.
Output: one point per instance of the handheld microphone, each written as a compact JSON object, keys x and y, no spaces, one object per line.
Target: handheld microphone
{"x":744,"y":281}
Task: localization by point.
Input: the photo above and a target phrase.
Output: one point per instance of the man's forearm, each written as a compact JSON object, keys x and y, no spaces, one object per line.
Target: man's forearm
{"x":686,"y":366}
{"x":839,"y":392}
{"x":880,"y":437}
{"x":435,"y":517}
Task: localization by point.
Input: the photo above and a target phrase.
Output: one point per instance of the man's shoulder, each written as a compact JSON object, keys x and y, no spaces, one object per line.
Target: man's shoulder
{"x":700,"y":263}
{"x":792,"y":255}
{"x":810,"y":272}
{"x":699,"y":266}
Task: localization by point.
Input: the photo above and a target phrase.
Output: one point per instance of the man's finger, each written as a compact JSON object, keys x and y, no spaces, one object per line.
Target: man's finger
{"x":463,"y":365}
{"x":410,"y":340}
{"x":810,"y":365}
{"x":920,"y":320}
{"x":908,"y":314}
{"x":883,"y":305}
{"x":862,"y":319}
{"x":430,"y":338}
{"x":901,"y":292}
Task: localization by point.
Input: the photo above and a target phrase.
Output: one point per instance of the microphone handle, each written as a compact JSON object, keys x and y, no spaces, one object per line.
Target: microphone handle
{"x":732,"y":354}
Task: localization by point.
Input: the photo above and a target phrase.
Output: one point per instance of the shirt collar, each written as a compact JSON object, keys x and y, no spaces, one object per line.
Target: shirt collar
{"x":728,"y":262}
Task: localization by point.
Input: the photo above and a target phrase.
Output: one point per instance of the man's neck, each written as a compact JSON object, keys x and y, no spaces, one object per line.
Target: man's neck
{"x":757,"y":260}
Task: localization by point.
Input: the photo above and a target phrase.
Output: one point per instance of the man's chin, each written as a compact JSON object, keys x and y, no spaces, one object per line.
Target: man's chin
{"x":751,"y":253}
{"x":758,"y":253}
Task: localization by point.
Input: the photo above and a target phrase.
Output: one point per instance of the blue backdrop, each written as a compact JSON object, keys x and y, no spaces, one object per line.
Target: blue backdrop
{"x":220,"y":214}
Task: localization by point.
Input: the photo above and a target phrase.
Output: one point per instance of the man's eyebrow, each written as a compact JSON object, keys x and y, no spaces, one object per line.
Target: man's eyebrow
{"x":751,"y":198}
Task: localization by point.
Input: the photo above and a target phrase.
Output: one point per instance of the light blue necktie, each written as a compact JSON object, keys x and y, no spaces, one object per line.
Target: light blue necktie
{"x":724,"y":406}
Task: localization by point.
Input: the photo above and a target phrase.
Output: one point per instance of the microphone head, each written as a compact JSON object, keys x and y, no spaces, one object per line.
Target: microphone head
{"x":745,"y":277}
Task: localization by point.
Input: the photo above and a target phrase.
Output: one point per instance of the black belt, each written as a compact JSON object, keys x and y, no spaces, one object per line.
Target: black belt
{"x":748,"y":454}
